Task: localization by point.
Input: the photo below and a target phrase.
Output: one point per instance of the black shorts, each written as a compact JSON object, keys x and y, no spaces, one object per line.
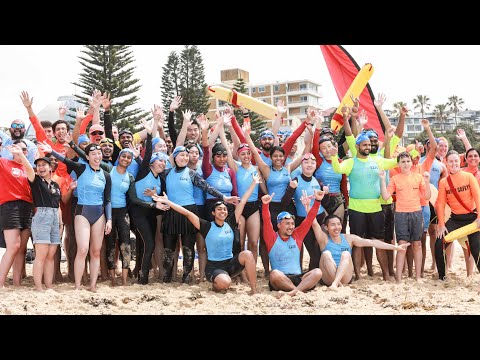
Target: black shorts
{"x":250,"y":208}
{"x":433,"y":214}
{"x":230,"y":267}
{"x":201,"y":211}
{"x":16,"y":215}
{"x":3,"y":244}
{"x":389,"y":221}
{"x":367,"y":225}
{"x":295,"y":279}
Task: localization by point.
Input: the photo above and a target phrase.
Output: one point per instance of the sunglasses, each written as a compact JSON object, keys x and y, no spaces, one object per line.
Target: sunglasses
{"x":97,"y":133}
{"x":106,"y":140}
{"x":218,"y":203}
{"x":288,"y":216}
{"x":308,"y":156}
{"x":219,"y":153}
{"x":17,"y":126}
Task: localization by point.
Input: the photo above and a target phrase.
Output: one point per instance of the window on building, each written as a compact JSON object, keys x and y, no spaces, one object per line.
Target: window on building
{"x":261,"y":89}
{"x":303,"y":86}
{"x":418,"y":128}
{"x":221,"y":103}
{"x":276,"y":88}
{"x":254,"y":90}
{"x":410,"y":128}
{"x":303,"y":98}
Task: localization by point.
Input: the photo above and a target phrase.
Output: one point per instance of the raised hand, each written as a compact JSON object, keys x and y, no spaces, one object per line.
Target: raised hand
{"x":380,"y":101}
{"x":389,"y":133}
{"x":362,"y":119}
{"x":146,"y":125}
{"x":68,"y":138}
{"x":106,"y":102}
{"x":203,"y":122}
{"x":136,"y":150}
{"x":306,"y":200}
{"x":281,"y":108}
{"x":267,"y":198}
{"x":461,"y":134}
{"x":80,"y":114}
{"x":404,"y":110}
{"x":246,"y":128}
{"x":345,"y":110}
{"x":426,"y":124}
{"x":15,"y":149}
{"x":175,"y":104}
{"x":44,"y":147}
{"x":228,"y":109}
{"x":158,"y":115}
{"x":62,"y":111}
{"x":187,"y":115}
{"x":27,"y":102}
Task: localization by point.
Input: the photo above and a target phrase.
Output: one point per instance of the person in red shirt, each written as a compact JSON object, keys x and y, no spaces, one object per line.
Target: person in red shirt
{"x":15,"y":211}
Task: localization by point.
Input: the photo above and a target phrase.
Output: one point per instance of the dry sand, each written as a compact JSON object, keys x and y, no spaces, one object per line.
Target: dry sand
{"x":366,"y":296}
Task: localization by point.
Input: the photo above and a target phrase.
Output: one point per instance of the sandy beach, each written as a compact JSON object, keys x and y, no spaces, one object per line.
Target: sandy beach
{"x":368,"y":296}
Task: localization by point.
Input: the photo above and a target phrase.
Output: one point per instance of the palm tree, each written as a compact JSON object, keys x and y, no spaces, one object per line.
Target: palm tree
{"x":440,"y":113}
{"x":422,"y":101}
{"x":455,"y":104}
{"x":397,"y":107}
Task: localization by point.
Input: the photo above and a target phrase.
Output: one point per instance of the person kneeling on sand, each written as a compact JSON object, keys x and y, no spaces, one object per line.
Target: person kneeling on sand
{"x":336,"y":260}
{"x":222,"y":239}
{"x":284,"y":249}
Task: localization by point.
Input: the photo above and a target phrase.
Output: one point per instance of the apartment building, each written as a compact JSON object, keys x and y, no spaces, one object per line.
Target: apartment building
{"x":297,"y":95}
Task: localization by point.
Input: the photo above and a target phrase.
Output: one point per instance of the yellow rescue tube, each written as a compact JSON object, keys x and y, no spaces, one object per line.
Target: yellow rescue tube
{"x":355,"y":89}
{"x":462,"y":232}
{"x":236,"y":98}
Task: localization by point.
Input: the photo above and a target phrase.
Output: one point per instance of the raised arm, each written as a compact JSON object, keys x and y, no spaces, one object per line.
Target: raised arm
{"x":256,"y":179}
{"x":320,"y":236}
{"x":39,"y":132}
{"x":379,"y":106}
{"x":231,"y":163}
{"x":216,"y":130}
{"x":264,"y":168}
{"x":463,"y":138}
{"x":174,"y":105}
{"x":269,"y":234}
{"x":17,"y":150}
{"x":383,"y":186}
{"x":281,"y":110}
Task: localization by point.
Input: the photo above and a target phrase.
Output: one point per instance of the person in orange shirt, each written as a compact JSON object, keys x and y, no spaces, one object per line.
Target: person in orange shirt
{"x":463,"y":201}
{"x":415,"y":151}
{"x":409,"y":187}
{"x":472,"y":158}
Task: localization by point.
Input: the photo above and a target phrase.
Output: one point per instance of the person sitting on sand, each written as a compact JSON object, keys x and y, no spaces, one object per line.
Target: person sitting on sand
{"x":225,"y":259}
{"x":284,"y":249}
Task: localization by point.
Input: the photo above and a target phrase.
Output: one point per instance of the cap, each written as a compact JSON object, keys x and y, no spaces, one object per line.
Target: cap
{"x":266,"y":133}
{"x":96,"y":127}
{"x":284,"y":215}
{"x":371,"y":133}
{"x":125,"y":131}
{"x":82,"y":138}
{"x":126,"y":150}
{"x":361,"y":138}
{"x":46,"y":159}
{"x":242,"y":147}
{"x":159,"y":156}
{"x":178,"y":150}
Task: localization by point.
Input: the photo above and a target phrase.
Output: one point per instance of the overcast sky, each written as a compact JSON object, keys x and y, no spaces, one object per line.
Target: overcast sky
{"x":402,"y":72}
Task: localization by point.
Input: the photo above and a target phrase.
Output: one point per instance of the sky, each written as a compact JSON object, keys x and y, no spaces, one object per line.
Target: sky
{"x":401,"y":71}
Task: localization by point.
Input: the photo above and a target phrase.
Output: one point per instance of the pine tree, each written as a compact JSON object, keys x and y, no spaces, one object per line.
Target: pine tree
{"x":109,"y":68}
{"x":171,"y":85}
{"x":193,"y":87}
{"x":256,"y":125}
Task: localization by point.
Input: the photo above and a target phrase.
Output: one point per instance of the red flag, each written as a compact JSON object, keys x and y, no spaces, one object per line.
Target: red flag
{"x":343,"y":69}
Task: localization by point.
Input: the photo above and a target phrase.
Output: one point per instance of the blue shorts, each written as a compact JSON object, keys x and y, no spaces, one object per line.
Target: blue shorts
{"x":426,"y":217}
{"x":46,"y":226}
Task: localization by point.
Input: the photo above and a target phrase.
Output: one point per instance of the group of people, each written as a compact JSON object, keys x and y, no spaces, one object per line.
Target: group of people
{"x":228,"y":201}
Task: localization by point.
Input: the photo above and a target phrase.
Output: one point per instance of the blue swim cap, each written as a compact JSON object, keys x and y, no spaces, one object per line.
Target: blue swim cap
{"x":284,"y":215}
{"x":361,"y":138}
{"x":82,"y":138}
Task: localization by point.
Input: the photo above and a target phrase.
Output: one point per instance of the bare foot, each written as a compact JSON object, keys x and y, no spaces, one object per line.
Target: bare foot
{"x":92,"y":289}
{"x":333,"y":286}
{"x":420,"y":281}
{"x":40,"y":289}
{"x":280,"y":294}
{"x":252,"y":292}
